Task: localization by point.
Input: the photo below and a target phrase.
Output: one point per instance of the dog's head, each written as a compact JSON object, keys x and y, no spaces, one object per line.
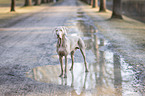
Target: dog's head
{"x":61,"y":31}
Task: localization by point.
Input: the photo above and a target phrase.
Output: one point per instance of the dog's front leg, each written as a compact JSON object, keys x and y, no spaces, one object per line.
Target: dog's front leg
{"x":65,"y":75}
{"x":61,"y":64}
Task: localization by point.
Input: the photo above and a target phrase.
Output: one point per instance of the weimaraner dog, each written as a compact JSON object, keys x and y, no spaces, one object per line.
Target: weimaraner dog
{"x":66,"y":45}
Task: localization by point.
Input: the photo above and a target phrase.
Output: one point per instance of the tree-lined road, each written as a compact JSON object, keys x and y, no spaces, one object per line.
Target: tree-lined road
{"x":29,"y":65}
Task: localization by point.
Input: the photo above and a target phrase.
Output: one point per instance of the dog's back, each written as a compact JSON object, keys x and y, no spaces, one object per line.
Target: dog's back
{"x":76,"y":42}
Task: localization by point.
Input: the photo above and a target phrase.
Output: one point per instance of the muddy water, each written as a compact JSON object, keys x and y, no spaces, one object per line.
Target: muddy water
{"x":108,"y":74}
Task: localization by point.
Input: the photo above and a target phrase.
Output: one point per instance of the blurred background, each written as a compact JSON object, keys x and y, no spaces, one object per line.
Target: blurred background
{"x":132,"y":8}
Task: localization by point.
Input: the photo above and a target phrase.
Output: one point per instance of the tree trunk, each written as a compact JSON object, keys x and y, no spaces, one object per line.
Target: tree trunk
{"x":95,"y":3}
{"x":86,"y":1}
{"x":37,"y":2}
{"x":28,"y":3}
{"x":89,"y":2}
{"x":43,"y":1}
{"x":13,"y":3}
{"x":117,"y":9}
{"x":102,"y":6}
{"x":47,"y":1}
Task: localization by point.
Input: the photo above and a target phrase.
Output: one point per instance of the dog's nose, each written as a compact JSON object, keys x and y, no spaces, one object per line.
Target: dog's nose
{"x":57,"y":35}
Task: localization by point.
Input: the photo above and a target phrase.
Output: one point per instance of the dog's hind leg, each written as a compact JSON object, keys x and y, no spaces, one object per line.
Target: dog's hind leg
{"x":65,"y":74}
{"x":72,"y":57}
{"x":84,"y":56}
{"x":61,"y":64}
{"x":82,"y":49}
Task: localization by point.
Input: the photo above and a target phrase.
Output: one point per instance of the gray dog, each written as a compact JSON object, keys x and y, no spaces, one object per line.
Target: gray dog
{"x":66,"y":45}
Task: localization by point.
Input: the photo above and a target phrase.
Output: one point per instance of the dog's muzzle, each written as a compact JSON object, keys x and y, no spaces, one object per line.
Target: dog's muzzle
{"x":57,"y":35}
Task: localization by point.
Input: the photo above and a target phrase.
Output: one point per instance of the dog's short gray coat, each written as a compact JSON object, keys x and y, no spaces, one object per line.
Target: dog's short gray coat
{"x":66,"y":45}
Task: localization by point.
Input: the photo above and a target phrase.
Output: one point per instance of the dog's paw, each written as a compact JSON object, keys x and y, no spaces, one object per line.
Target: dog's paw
{"x":60,"y":75}
{"x":71,"y":69}
{"x":65,"y":76}
{"x":87,"y":70}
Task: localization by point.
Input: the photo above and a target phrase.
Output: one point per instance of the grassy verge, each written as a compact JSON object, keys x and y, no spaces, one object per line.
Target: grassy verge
{"x":6,"y":15}
{"x":6,"y":3}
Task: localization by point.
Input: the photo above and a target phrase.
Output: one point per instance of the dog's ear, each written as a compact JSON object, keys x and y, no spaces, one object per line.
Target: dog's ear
{"x":54,"y":30}
{"x":65,"y":30}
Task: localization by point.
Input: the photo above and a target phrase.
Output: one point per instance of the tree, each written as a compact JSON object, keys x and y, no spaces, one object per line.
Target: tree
{"x":13,"y":3}
{"x":94,"y":3}
{"x":37,"y":2}
{"x":47,"y":1}
{"x":43,"y":1}
{"x":89,"y":2}
{"x":28,"y":3}
{"x":102,"y":6}
{"x":117,"y":9}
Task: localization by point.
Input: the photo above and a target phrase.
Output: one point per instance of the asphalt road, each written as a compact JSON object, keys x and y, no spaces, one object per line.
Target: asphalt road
{"x":29,"y":64}
{"x":30,"y":43}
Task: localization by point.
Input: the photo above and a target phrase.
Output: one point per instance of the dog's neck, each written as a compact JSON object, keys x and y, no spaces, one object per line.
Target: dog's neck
{"x":61,"y":41}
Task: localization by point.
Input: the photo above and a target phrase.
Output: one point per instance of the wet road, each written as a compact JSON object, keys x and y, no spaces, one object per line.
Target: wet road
{"x":29,"y":62}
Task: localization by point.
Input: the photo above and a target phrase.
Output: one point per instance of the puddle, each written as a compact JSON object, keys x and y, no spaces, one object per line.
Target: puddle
{"x":108,"y":74}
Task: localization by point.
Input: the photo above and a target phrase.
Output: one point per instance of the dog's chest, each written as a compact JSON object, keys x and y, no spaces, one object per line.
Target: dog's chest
{"x":62,"y":51}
